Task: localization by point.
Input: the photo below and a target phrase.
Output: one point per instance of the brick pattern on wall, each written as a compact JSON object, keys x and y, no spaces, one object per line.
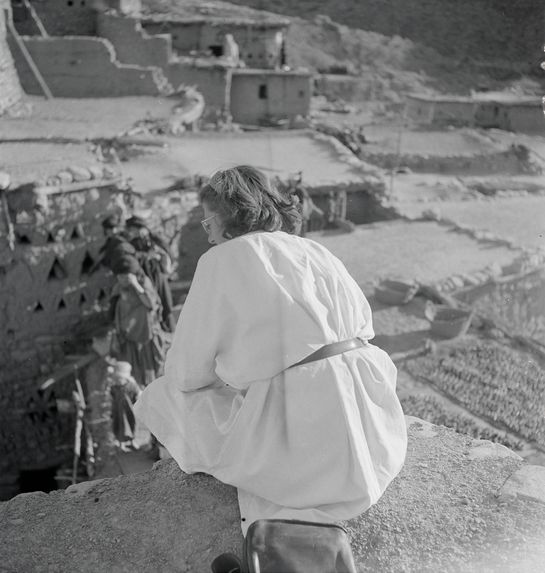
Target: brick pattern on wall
{"x":49,"y":292}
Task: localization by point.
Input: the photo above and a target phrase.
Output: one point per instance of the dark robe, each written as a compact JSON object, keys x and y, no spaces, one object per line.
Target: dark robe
{"x":124,"y":395}
{"x":140,"y":337}
{"x":154,"y":259}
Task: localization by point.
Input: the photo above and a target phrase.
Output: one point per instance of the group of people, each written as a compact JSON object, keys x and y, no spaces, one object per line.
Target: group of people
{"x":141,"y":310}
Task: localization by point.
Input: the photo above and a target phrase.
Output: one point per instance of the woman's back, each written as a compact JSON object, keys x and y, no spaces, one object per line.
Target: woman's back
{"x":263,"y":302}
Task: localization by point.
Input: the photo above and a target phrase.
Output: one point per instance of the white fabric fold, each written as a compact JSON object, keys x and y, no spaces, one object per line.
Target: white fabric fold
{"x":322,"y":440}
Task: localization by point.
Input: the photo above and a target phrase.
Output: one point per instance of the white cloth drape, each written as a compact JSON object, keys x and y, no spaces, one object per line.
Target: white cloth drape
{"x":319,"y":442}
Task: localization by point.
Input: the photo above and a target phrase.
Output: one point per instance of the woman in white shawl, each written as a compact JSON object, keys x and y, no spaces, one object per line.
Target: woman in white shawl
{"x":271,"y":384}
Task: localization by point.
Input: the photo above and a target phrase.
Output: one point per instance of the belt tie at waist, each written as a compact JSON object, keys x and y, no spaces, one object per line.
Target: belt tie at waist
{"x":332,"y":349}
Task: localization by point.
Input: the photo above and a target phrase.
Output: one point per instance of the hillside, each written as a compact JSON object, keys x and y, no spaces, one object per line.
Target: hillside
{"x":384,"y":66}
{"x":503,"y":32}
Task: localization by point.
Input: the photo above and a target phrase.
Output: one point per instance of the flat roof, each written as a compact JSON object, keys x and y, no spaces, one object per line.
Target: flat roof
{"x":213,"y":13}
{"x":277,"y":153}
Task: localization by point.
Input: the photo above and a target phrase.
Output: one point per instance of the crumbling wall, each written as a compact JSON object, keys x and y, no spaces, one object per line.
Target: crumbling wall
{"x":86,"y":67}
{"x":213,"y":82}
{"x":50,"y":291}
{"x":185,"y":35}
{"x":256,"y":96}
{"x":131,"y":43}
{"x":10,"y":90}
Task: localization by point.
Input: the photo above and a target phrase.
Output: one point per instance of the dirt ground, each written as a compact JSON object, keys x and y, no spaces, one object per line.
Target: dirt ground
{"x":78,"y":118}
{"x":424,"y":251}
{"x":442,"y":513}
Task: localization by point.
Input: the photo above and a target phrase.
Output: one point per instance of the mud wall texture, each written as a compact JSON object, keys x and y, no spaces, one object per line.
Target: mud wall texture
{"x":10,"y":92}
{"x":131,"y":43}
{"x":67,"y":17}
{"x":256,"y":96}
{"x":85,"y":67}
{"x":213,"y":82}
{"x":259,"y":47}
{"x":51,"y":293}
{"x":522,"y":118}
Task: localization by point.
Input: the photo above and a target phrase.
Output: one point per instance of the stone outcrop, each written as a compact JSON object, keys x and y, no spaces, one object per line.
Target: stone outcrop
{"x":458,"y":505}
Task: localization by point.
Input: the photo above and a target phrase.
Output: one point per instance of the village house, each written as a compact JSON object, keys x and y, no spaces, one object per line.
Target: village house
{"x":521,"y":114}
{"x":81,"y":48}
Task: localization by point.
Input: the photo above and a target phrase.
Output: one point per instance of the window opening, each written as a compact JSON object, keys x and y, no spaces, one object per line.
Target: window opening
{"x":82,"y":299}
{"x":217,"y":50}
{"x":38,"y":307}
{"x":23,"y":239}
{"x":87,"y":264}
{"x":77,"y":233}
{"x":50,"y":238}
{"x":57,"y":271}
{"x":262,"y":93}
{"x":101,"y":295}
{"x":61,"y":304}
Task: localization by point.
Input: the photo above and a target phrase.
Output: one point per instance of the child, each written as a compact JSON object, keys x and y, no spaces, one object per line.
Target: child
{"x":124,"y":391}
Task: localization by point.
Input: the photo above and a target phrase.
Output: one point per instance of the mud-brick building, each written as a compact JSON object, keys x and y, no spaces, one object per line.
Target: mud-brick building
{"x":197,"y":29}
{"x":105,"y":48}
{"x":487,"y":110}
{"x":51,"y":298}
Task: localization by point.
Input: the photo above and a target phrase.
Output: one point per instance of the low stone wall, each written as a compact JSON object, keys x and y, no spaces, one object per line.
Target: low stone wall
{"x":458,"y":505}
{"x":485,"y":164}
{"x":85,"y":67}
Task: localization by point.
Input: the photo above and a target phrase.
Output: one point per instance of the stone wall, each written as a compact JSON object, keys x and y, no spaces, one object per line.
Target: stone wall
{"x":479,"y":164}
{"x":135,"y":46}
{"x":10,"y":92}
{"x":85,"y":67}
{"x":50,"y":295}
{"x":257,"y":96}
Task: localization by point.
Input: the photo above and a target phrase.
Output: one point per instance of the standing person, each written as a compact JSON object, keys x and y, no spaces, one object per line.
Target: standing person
{"x":154,"y":257}
{"x":136,"y":309}
{"x":124,"y":391}
{"x":117,"y":243}
{"x":271,"y":384}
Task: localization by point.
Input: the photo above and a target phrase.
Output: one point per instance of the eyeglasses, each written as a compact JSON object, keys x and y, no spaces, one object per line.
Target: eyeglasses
{"x":205,"y":224}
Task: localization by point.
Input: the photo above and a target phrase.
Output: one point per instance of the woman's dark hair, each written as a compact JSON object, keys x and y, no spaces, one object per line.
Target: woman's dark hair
{"x":247,"y":201}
